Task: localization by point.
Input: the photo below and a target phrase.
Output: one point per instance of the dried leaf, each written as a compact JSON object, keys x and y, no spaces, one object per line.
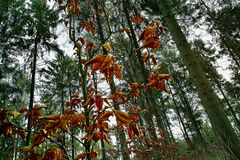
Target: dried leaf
{"x":99,"y":102}
{"x":53,"y":154}
{"x":121,"y":116}
{"x":117,"y":71}
{"x":104,"y":116}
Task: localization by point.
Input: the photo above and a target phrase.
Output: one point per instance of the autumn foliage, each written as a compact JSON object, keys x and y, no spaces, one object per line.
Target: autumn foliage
{"x":89,"y":110}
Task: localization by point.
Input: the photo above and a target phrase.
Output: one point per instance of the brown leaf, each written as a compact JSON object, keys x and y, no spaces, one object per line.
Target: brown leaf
{"x":53,"y":154}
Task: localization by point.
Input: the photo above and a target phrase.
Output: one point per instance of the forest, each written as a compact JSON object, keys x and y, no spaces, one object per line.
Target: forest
{"x":119,"y":79}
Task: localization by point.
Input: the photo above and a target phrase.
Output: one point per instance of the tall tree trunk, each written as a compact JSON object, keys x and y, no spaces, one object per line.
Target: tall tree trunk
{"x":212,"y":105}
{"x":32,"y":87}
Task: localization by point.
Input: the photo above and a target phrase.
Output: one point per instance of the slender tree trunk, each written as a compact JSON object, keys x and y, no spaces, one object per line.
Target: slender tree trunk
{"x":166,"y":129}
{"x":189,"y":112}
{"x":209,"y":99}
{"x":62,"y":110}
{"x":185,"y":134}
{"x":168,"y":124}
{"x":237,"y":122}
{"x":32,"y":87}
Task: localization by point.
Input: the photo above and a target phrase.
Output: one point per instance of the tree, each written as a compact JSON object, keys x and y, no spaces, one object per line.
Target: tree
{"x":212,"y":106}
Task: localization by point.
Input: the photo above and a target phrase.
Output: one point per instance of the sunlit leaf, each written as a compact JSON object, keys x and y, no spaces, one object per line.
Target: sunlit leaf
{"x":15,"y":114}
{"x":99,"y":58}
{"x":158,"y":69}
{"x":107,"y":46}
{"x":26,"y":149}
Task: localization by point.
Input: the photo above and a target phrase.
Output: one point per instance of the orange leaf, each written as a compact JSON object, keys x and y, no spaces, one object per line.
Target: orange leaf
{"x":153,"y":82}
{"x":99,"y":58}
{"x":53,"y":154}
{"x":104,"y":116}
{"x":126,"y":30}
{"x":37,"y":107}
{"x":162,"y":86}
{"x":135,"y":89}
{"x":89,"y":26}
{"x":117,"y":71}
{"x":137,"y":19}
{"x":145,"y":57}
{"x":84,"y":155}
{"x":135,"y":118}
{"x":99,"y":102}
{"x":81,"y":156}
{"x":149,"y":31}
{"x":89,"y":47}
{"x":134,"y":128}
{"x":96,"y":136}
{"x":164,"y":76}
{"x":106,"y":63}
{"x":95,"y":67}
{"x":73,"y":7}
{"x":154,"y":61}
{"x":121,"y":116}
{"x":103,"y":126}
{"x":157,"y":69}
{"x":150,"y":37}
{"x":130,"y":133}
{"x":38,"y":139}
{"x":118,"y":95}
